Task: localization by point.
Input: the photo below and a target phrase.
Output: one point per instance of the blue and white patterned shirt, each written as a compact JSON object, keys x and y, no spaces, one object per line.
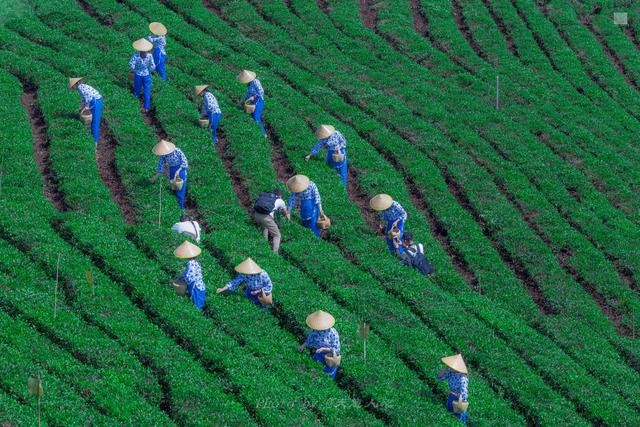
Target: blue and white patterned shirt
{"x":142,"y":66}
{"x":310,"y":193}
{"x":210,"y":104}
{"x":173,"y":159}
{"x":88,"y":94}
{"x":333,"y":143}
{"x":458,"y":383}
{"x":158,"y":41}
{"x":254,"y":89}
{"x":192,"y":274}
{"x":393,"y":213}
{"x":325,"y":338}
{"x":254,"y":282}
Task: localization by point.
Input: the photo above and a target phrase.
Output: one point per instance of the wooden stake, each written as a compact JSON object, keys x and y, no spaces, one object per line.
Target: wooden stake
{"x":55,"y":294}
{"x":363,"y":331}
{"x":35,"y":389}
{"x":160,"y":203}
{"x":497,"y":92}
{"x":39,"y":395}
{"x":90,"y":282}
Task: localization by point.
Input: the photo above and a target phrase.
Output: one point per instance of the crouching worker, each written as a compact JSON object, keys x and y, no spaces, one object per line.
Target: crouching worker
{"x":413,"y":254}
{"x":187,"y":226}
{"x":192,"y":274}
{"x":305,"y":191}
{"x":457,"y":376}
{"x":393,"y":215}
{"x":259,"y":285}
{"x":263,"y":214}
{"x":323,"y":341}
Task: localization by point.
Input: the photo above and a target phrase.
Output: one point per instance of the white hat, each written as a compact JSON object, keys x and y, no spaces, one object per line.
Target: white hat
{"x":187,"y":250}
{"x":456,"y":363}
{"x":381,"y":202}
{"x":325,"y":131}
{"x":320,"y":320}
{"x":142,"y":45}
{"x":158,"y":29}
{"x":163,"y":148}
{"x":298,"y":183}
{"x":197,"y":90}
{"x":74,"y":81}
{"x":246,"y":76}
{"x":248,"y":266}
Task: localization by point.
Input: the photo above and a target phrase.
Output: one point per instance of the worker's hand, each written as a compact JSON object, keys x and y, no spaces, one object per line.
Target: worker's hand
{"x":220,"y":290}
{"x":302,"y":347}
{"x":256,"y":292}
{"x":288,"y":216}
{"x":396,"y":243}
{"x":322,"y":349}
{"x":153,"y":179}
{"x":321,"y":211}
{"x":307,"y":157}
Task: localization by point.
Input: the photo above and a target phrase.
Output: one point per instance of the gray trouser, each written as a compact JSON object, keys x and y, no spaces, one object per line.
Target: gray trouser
{"x":269,"y":226}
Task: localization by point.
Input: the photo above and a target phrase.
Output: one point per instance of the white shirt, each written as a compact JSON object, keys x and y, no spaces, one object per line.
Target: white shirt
{"x":279,"y":204}
{"x":187,"y":227}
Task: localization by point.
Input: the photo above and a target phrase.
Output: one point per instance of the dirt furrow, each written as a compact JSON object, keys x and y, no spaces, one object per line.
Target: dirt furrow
{"x":322,"y":4}
{"x":464,"y":29}
{"x":503,"y":29}
{"x":369,"y":13}
{"x":41,"y":145}
{"x":419,"y":20}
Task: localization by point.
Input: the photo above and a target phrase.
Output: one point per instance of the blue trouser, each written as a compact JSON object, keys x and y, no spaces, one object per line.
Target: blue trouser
{"x":309,"y":213}
{"x":341,"y":168}
{"x":214,"y":120}
{"x":180,"y":193}
{"x":463,"y":416}
{"x":143,"y":82}
{"x":389,"y":241}
{"x":159,"y":58}
{"x":257,"y":114}
{"x":197,"y":296}
{"x":331,"y":371}
{"x":96,"y":114}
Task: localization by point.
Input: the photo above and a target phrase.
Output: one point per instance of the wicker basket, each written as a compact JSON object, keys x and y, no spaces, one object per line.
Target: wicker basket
{"x":180,"y":287}
{"x":265,"y":299}
{"x":323,"y":222}
{"x":249,"y":108}
{"x":459,"y":406}
{"x":394,"y":232}
{"x":86,"y":116}
{"x":176,"y":184}
{"x":337,"y":157}
{"x":332,"y":360}
{"x":204,"y":123}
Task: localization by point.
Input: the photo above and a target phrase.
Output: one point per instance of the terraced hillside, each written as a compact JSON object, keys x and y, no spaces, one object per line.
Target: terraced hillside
{"x":530,"y":212}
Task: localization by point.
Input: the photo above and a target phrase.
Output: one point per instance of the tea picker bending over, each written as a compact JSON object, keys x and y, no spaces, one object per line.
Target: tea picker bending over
{"x":169,"y":155}
{"x":394,"y":216}
{"x":254,"y":96}
{"x":259,"y":285}
{"x":305,"y":191}
{"x":324,"y":341}
{"x":336,"y":146}
{"x":457,"y":376}
{"x":192,"y":273}
{"x":187,"y":226}
{"x":263,"y":214}
{"x":92,"y":100}
{"x":210,"y":110}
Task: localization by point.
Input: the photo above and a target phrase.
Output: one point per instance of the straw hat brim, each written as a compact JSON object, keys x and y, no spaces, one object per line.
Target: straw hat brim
{"x":325,"y":131}
{"x":142,"y":45}
{"x":187,"y":250}
{"x":199,"y":89}
{"x":456,"y":363}
{"x":163,"y":148}
{"x":320,"y":320}
{"x":381,"y":202}
{"x":298,"y":183}
{"x":248,"y":266}
{"x":158,"y":29}
{"x":73,"y":81}
{"x":246,"y":76}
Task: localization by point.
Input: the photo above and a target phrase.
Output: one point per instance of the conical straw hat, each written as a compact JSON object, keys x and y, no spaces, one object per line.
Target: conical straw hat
{"x":74,"y":81}
{"x":320,"y":320}
{"x":187,"y":250}
{"x":142,"y":45}
{"x":381,"y":202}
{"x":163,"y":148}
{"x":298,"y":183}
{"x":197,"y":90}
{"x":158,"y":29}
{"x":325,"y":131}
{"x":246,"y":76}
{"x":248,"y":266}
{"x":456,"y":363}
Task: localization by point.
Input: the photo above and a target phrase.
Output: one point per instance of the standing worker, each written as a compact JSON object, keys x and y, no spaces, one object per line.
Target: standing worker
{"x":210,"y":109}
{"x":259,"y":285}
{"x":304,"y":190}
{"x":254,"y":96}
{"x":92,"y":100}
{"x":393,"y":215}
{"x":263,"y":214}
{"x":192,"y":274}
{"x":168,"y":154}
{"x":336,"y":145}
{"x":457,"y":376}
{"x":159,"y":41}
{"x":142,"y":65}
{"x":324,"y":341}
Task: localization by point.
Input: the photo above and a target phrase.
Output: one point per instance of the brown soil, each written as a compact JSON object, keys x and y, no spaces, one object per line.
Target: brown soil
{"x":50,"y":181}
{"x":586,"y":22}
{"x":151,"y":119}
{"x":213,"y":8}
{"x":631,"y":34}
{"x":369,"y":13}
{"x":241,"y":190}
{"x":503,"y":29}
{"x":464,"y":29}
{"x":106,"y":160}
{"x":280,"y":162}
{"x":360,"y":197}
{"x":322,"y":4}
{"x":419,"y":20}
{"x":536,"y":36}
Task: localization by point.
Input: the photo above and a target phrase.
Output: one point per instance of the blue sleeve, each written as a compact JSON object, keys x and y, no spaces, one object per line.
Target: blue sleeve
{"x":445,"y":375}
{"x":292,"y":201}
{"x":152,"y":63}
{"x":184,"y":164}
{"x":267,"y":286}
{"x":233,"y":284}
{"x":318,"y":146}
{"x":161,"y":164}
{"x":132,"y":62}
